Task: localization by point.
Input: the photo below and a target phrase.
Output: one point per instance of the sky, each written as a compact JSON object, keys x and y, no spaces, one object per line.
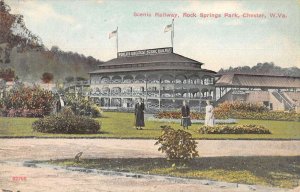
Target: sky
{"x":83,"y":26}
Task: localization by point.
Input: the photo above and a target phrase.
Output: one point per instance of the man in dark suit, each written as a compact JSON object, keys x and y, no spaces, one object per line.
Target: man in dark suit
{"x":139,"y":114}
{"x":185,"y":116}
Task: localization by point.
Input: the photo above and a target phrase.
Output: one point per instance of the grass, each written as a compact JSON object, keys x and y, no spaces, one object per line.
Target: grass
{"x":120,"y":125}
{"x":273,"y":171}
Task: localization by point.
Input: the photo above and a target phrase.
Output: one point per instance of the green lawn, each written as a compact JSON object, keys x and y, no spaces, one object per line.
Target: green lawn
{"x":271,"y":171}
{"x":120,"y":125}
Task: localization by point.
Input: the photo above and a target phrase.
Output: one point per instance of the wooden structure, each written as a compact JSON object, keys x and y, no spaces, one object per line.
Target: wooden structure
{"x":274,"y":91}
{"x":162,"y":78}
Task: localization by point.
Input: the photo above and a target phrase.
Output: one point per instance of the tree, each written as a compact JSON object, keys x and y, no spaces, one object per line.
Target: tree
{"x":55,"y":49}
{"x":47,"y":77}
{"x":263,"y":68}
{"x":14,"y":33}
{"x":7,"y":74}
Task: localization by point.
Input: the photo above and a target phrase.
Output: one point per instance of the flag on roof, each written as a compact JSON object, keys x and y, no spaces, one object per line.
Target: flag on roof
{"x":113,"y":34}
{"x":168,"y":28}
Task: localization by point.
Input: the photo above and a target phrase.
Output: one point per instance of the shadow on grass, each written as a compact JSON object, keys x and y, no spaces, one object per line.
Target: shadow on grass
{"x":272,"y":170}
{"x":103,"y":132}
{"x":103,"y":117}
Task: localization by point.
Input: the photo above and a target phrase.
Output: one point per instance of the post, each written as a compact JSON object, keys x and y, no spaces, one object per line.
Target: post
{"x":172,"y":34}
{"x":117,"y":39}
{"x":146,"y":77}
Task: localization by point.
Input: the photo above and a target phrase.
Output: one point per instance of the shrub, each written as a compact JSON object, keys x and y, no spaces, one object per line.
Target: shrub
{"x":24,"y":101}
{"x":82,"y":106}
{"x":24,"y":113}
{"x":177,"y":144}
{"x":66,"y":122}
{"x":235,"y":129}
{"x":96,"y":111}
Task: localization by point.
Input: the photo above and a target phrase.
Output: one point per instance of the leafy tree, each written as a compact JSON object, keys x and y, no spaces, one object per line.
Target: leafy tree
{"x":55,"y":49}
{"x":69,"y":79}
{"x":31,"y":51}
{"x":7,"y":74}
{"x":14,"y":33}
{"x":47,"y":77}
{"x":263,"y":68}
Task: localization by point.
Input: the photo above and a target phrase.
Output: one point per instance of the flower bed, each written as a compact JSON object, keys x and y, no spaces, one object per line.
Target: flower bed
{"x":280,"y":116}
{"x":177,"y":115}
{"x":235,"y":129}
{"x":241,"y":106}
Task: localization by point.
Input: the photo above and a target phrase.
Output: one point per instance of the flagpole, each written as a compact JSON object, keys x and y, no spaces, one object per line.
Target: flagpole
{"x":172,"y":34}
{"x":117,"y":39}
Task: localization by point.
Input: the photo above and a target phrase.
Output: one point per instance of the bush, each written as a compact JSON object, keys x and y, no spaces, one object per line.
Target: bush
{"x":96,"y":111}
{"x":24,"y":113}
{"x":235,"y":129}
{"x":177,"y":144}
{"x":82,"y":106}
{"x":23,"y":101}
{"x":66,"y":122}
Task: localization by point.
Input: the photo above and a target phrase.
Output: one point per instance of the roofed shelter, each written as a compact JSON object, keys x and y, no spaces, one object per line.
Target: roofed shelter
{"x":271,"y":90}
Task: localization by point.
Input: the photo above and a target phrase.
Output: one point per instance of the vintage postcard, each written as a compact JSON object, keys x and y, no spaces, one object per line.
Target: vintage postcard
{"x":137,"y":95}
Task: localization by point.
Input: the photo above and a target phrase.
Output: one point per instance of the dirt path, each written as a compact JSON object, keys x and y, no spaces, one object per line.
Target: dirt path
{"x":49,"y":180}
{"x":14,"y":151}
{"x":39,"y":149}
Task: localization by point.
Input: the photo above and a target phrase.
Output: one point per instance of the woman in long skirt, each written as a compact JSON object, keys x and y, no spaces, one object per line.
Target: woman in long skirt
{"x":209,"y":115}
{"x":139,"y":115}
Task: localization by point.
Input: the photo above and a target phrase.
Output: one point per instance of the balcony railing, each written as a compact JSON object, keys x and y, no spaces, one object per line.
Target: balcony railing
{"x":152,"y":82}
{"x":149,"y":94}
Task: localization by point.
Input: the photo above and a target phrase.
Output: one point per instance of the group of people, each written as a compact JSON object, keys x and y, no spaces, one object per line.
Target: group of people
{"x":185,"y":115}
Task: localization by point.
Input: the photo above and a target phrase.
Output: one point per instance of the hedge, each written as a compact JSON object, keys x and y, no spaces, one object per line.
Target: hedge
{"x":67,"y":122}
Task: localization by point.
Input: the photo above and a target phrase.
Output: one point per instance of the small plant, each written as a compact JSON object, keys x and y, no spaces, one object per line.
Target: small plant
{"x":67,"y":122}
{"x":177,"y":144}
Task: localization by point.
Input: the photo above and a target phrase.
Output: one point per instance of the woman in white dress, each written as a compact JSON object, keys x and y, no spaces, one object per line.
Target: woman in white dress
{"x":209,"y":115}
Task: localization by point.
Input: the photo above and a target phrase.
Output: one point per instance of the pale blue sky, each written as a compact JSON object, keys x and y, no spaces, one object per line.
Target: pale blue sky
{"x":83,"y":27}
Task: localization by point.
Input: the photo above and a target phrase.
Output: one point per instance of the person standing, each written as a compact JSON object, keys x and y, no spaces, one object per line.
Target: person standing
{"x":59,"y":104}
{"x":139,"y":114}
{"x":185,"y":116}
{"x":209,"y":115}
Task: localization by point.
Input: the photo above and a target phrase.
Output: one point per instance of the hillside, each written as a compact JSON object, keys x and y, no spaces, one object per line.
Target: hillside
{"x":264,"y":69}
{"x":25,"y":53}
{"x":30,"y":65}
